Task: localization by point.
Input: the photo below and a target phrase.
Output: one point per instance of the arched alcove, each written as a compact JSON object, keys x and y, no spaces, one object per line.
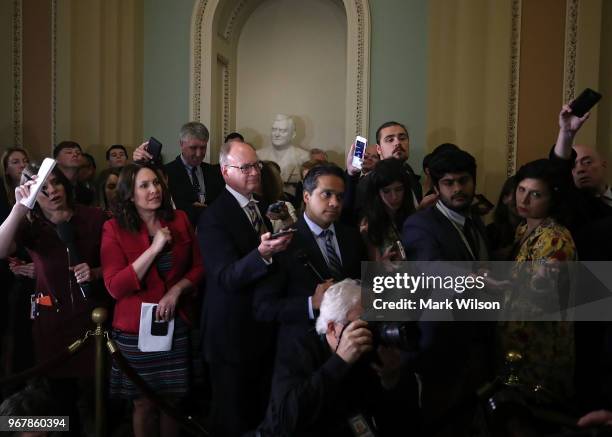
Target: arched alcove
{"x":215,"y":31}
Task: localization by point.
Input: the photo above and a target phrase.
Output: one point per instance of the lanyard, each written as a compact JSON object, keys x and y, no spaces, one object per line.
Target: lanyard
{"x":461,"y":233}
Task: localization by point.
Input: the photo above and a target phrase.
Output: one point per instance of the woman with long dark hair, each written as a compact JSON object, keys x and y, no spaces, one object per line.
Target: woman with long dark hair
{"x":106,"y":189}
{"x":150,"y":255}
{"x":63,"y":303}
{"x":387,"y":204}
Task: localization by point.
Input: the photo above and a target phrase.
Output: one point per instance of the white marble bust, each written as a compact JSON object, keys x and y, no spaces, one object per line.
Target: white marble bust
{"x":282,"y":151}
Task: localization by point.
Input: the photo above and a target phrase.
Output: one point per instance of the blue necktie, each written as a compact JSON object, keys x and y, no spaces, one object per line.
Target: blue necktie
{"x":333,"y":261}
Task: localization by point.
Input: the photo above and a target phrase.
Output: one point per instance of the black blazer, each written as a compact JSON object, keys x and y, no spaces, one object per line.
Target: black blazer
{"x":429,"y":236}
{"x":182,"y":191}
{"x":283,"y":296}
{"x":465,"y":348}
{"x":233,"y":266}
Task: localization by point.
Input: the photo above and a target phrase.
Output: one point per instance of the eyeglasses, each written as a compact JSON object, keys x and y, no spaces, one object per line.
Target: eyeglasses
{"x":246,"y":168}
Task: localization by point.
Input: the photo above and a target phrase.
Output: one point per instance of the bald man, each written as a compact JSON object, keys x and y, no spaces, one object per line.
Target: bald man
{"x":593,"y":199}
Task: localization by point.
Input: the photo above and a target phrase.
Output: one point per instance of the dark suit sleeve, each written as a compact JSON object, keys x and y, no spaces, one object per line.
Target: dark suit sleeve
{"x":222,"y":259}
{"x":418,"y":243}
{"x":302,"y":391}
{"x":271,"y":303}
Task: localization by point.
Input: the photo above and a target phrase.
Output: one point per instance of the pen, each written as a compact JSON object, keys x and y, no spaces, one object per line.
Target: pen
{"x":28,"y":177}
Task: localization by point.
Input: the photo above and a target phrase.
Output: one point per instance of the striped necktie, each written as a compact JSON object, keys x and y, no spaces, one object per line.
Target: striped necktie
{"x":333,"y":261}
{"x":254,"y":216}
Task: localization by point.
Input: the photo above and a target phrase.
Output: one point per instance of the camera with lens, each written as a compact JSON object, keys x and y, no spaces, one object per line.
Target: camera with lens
{"x":402,"y":335}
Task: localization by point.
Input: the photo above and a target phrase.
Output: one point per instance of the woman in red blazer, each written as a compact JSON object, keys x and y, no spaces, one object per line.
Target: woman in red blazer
{"x":150,"y":255}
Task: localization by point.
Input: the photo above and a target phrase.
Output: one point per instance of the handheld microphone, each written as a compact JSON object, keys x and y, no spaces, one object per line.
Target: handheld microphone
{"x":65,"y":232}
{"x":303,"y":258}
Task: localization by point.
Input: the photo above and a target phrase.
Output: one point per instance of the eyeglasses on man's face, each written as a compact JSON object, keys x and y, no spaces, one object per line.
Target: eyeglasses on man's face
{"x":246,"y":168}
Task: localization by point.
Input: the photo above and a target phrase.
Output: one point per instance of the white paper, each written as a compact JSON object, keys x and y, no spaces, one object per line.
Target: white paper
{"x":43,"y":174}
{"x":148,"y":342}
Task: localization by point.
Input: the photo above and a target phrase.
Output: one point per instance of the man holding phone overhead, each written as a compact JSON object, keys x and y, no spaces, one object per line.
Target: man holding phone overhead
{"x":392,"y":141}
{"x":193,"y":184}
{"x":592,"y":199}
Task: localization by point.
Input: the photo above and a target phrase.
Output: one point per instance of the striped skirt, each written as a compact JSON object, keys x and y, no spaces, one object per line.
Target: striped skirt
{"x":167,"y":373}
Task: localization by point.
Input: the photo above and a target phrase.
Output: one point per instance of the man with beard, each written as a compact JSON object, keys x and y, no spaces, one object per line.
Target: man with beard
{"x":392,"y":142}
{"x":447,"y":231}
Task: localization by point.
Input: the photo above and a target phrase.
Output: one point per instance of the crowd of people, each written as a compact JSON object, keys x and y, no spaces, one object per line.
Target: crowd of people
{"x":269,"y":281}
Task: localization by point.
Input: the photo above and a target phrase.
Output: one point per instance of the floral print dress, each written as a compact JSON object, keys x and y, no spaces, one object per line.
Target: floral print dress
{"x":547,"y":347}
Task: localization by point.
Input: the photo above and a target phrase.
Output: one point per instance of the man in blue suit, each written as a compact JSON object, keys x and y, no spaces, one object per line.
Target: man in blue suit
{"x":293,"y":293}
{"x":237,"y":251}
{"x":452,"y":357}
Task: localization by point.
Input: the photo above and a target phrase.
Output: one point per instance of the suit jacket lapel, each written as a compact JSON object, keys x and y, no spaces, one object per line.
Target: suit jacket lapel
{"x":311,"y":248}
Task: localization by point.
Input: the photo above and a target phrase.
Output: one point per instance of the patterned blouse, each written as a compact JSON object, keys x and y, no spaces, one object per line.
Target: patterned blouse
{"x":547,"y":347}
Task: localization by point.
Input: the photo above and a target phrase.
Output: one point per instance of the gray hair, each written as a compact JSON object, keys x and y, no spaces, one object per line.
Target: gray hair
{"x":226,"y":149}
{"x":194,"y":129}
{"x":337,"y":301}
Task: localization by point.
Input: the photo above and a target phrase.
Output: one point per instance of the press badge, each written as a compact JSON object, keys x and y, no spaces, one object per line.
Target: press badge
{"x":360,"y":427}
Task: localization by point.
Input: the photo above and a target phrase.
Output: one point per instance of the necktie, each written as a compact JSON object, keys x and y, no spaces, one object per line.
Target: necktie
{"x":333,"y":262}
{"x":197,"y":189}
{"x":254,"y":216}
{"x":471,"y":236}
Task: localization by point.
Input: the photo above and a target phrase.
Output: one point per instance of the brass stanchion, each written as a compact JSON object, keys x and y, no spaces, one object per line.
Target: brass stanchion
{"x":99,"y":316}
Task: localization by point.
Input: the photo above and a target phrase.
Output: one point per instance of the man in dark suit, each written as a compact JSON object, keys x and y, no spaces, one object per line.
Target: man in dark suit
{"x":293,"y":293}
{"x":325,"y":383}
{"x":448,"y":231}
{"x":237,"y":252}
{"x":193,"y":184}
{"x":452,"y":357}
{"x":392,"y":141}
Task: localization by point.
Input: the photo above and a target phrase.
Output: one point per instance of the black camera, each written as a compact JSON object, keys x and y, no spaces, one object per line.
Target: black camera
{"x":402,"y":335}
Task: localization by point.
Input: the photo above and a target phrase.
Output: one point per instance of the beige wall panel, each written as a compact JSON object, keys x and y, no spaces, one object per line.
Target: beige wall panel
{"x":541,"y":77}
{"x":63,"y":83}
{"x":468,"y":82}
{"x":7,"y":134}
{"x":86,"y":63}
{"x":604,"y":126}
{"x":587,"y":61}
{"x":110,"y":84}
{"x":130,"y":62}
{"x":36,"y":78}
{"x":497,"y":82}
{"x":103,"y":46}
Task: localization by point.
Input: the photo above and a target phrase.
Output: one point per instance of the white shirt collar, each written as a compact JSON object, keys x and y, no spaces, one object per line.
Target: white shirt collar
{"x":607,"y":196}
{"x":315,"y":228}
{"x":458,"y":219}
{"x":187,"y":166}
{"x":243,"y":201}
